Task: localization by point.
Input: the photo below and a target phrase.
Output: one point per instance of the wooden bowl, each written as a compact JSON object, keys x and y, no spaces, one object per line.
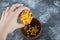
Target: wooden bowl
{"x":33,"y":23}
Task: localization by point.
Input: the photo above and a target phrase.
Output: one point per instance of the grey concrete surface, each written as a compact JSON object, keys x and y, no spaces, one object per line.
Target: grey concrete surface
{"x":46,"y":11}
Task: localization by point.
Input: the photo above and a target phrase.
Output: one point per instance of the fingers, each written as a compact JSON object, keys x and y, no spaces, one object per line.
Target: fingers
{"x":7,"y":9}
{"x":4,"y":14}
{"x":19,"y":10}
{"x":2,"y":17}
{"x":15,"y":6}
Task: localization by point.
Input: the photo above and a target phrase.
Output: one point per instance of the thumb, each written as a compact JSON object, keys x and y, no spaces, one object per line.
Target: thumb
{"x":16,"y":27}
{"x":20,"y":25}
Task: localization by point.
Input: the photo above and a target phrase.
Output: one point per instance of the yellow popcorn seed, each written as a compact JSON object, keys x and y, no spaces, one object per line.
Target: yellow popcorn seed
{"x":32,"y":30}
{"x":26,"y":17}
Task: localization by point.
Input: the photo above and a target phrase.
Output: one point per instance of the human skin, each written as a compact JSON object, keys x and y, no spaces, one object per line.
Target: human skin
{"x":8,"y":22}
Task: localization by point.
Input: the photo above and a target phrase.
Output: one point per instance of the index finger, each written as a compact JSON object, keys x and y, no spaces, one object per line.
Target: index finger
{"x":19,"y":10}
{"x":15,"y":6}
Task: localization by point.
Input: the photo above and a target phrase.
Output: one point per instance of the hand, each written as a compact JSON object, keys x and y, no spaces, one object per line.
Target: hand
{"x":8,"y":22}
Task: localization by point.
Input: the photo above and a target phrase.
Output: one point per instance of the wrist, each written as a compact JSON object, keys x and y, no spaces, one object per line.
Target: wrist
{"x":3,"y":34}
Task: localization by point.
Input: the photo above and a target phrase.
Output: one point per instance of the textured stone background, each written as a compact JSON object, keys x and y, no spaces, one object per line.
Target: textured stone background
{"x":46,"y":11}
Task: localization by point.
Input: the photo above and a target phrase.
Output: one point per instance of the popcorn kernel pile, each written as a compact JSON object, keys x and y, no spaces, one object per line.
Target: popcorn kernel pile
{"x":32,"y":31}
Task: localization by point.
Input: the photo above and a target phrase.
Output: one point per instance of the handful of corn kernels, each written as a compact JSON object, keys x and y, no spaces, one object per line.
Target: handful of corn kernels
{"x":26,"y":17}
